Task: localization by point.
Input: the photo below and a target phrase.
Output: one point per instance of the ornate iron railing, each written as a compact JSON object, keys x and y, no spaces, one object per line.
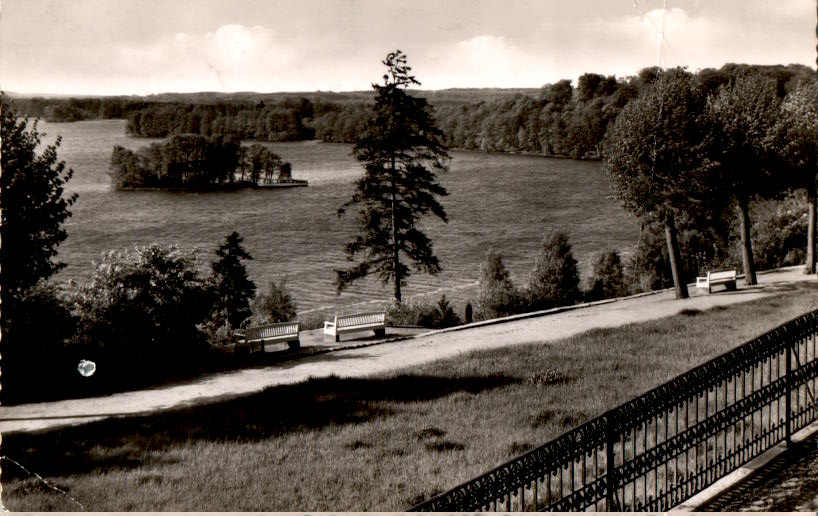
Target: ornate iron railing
{"x":654,"y":452}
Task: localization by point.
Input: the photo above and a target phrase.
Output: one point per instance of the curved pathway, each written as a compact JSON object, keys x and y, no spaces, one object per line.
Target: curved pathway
{"x":364,"y":359}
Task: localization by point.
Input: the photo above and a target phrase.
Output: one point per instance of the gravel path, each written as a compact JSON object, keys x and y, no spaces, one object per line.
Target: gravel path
{"x":367,"y":359}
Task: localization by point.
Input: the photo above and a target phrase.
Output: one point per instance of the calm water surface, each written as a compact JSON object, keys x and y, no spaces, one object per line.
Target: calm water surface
{"x":508,"y":202}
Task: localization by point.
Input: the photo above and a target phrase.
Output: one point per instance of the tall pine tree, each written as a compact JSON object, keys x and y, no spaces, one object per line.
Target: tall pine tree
{"x":401,"y":152}
{"x":234,"y":290}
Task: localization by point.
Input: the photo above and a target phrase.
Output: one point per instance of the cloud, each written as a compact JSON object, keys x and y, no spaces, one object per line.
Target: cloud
{"x":485,"y":61}
{"x":232,"y":57}
{"x":686,"y":37}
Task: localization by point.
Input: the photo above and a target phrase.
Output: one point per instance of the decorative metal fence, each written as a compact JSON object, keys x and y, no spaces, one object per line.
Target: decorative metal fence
{"x":656,"y":451}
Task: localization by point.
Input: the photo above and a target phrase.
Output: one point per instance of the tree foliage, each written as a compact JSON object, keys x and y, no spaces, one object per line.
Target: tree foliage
{"x":657,"y":156}
{"x":555,"y":278}
{"x":274,"y":306}
{"x":795,"y":140}
{"x":140,"y":312}
{"x":401,"y":152}
{"x":34,"y":203}
{"x":497,"y":297}
{"x":233,"y":289}
{"x":742,"y":114}
{"x":192,"y":161}
{"x":38,"y":361}
{"x":607,"y":278}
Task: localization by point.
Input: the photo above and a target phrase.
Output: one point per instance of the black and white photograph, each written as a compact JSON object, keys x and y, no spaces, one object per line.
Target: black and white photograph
{"x":455,"y":256}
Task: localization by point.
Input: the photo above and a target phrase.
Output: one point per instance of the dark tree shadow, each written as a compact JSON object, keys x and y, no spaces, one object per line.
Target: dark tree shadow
{"x":123,"y":443}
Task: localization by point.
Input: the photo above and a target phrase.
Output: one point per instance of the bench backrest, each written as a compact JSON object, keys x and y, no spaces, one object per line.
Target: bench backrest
{"x":723,"y":275}
{"x":268,"y":331}
{"x":343,"y":321}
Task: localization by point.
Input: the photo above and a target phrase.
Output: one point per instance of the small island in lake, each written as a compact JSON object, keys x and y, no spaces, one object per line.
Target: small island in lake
{"x":195,"y":162}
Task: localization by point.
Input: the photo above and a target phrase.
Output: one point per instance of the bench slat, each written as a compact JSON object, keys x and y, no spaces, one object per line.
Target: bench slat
{"x":277,"y":331}
{"x":727,"y":278}
{"x":355,"y":322}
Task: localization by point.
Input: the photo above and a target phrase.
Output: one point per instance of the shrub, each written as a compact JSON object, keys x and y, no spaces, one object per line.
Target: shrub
{"x":703,"y":245}
{"x":140,"y":314}
{"x":497,"y":297}
{"x":780,"y":232}
{"x":444,"y":316}
{"x":38,"y":361}
{"x":608,"y":277}
{"x":275,"y":306}
{"x":414,"y":313}
{"x":555,"y":279}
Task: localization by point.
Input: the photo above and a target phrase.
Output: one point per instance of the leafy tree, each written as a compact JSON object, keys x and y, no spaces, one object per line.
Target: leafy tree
{"x":795,"y":139}
{"x":401,"y":153}
{"x":285,"y":171}
{"x":233,"y":289}
{"x":139,"y":314}
{"x":34,"y":203}
{"x":608,"y":277}
{"x":497,"y":297}
{"x":555,"y":279}
{"x":657,"y":154}
{"x":742,"y":114}
{"x":274,"y":306}
{"x":415,"y":313}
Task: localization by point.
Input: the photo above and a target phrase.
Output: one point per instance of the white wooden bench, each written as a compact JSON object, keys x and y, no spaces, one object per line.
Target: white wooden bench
{"x":356,"y":322}
{"x":726,"y":278}
{"x":273,"y":333}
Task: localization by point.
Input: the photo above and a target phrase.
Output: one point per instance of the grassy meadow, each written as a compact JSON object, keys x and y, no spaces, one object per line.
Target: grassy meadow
{"x":380,"y":443}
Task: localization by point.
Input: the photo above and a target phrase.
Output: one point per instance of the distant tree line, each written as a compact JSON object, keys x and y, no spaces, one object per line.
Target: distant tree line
{"x":284,"y":121}
{"x":194,"y":161}
{"x":557,"y":120}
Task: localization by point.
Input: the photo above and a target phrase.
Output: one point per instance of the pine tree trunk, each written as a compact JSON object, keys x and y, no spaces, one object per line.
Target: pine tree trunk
{"x":396,"y":246}
{"x":746,"y":244}
{"x":675,"y":258}
{"x":809,"y":268}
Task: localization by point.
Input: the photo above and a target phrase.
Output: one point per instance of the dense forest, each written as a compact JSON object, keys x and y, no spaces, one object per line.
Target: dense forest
{"x":556,"y":120}
{"x":196,"y":162}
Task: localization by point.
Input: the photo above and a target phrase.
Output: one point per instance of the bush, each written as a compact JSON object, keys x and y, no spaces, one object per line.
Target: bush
{"x":555,"y":279}
{"x":497,"y":297}
{"x":427,"y":316}
{"x":779,"y":232}
{"x":275,"y":306}
{"x":140,"y":315}
{"x":703,"y":245}
{"x":38,"y":361}
{"x":608,"y":277}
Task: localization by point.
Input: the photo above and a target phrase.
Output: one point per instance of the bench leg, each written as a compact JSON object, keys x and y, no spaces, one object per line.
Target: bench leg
{"x":294,"y":345}
{"x":337,"y":338}
{"x":380,"y":332}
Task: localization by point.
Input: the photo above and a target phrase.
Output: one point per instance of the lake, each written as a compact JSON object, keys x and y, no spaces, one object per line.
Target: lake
{"x":508,"y":202}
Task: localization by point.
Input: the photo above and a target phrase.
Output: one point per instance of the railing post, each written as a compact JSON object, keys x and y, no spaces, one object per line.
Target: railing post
{"x":788,"y":399}
{"x":610,"y":466}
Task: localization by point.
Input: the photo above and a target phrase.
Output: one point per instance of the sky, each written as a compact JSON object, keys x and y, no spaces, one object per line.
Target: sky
{"x":123,"y":47}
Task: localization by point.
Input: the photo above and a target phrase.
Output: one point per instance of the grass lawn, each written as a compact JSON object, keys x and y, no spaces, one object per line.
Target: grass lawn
{"x":381,"y":443}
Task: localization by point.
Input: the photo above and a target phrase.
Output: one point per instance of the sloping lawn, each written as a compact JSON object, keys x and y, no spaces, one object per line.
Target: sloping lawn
{"x":382,"y":443}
